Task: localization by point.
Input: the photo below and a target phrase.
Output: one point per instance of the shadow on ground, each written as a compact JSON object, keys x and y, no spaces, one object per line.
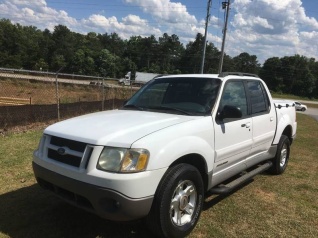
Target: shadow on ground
{"x":33,"y":212}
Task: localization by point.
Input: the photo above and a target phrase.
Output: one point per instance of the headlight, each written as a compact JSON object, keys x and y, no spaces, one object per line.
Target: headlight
{"x":123,"y":160}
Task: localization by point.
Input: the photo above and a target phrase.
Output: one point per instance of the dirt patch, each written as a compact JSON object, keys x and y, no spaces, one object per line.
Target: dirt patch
{"x":73,"y":100}
{"x":265,"y":196}
{"x":45,"y":92}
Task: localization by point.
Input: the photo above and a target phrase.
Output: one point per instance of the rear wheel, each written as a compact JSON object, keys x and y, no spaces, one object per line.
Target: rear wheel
{"x":282,"y":156}
{"x":178,"y":202}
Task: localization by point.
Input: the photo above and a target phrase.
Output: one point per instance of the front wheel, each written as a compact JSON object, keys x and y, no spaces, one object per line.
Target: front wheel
{"x":178,"y":202}
{"x":282,"y":156}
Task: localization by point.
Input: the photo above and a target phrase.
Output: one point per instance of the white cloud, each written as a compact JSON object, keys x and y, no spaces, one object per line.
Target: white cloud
{"x":35,"y":13}
{"x":173,"y":17}
{"x":130,"y":25}
{"x":308,"y":44}
{"x":165,"y":10}
{"x":134,"y":20}
{"x":25,"y":3}
{"x":269,"y":28}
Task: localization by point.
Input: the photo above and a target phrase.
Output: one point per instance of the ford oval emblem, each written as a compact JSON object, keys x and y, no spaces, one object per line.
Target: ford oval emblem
{"x":61,"y":151}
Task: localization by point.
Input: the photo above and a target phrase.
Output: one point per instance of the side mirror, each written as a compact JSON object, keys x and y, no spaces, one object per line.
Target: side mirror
{"x":229,"y":112}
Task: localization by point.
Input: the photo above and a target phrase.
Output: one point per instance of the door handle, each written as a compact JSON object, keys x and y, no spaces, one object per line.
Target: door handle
{"x":247,"y":125}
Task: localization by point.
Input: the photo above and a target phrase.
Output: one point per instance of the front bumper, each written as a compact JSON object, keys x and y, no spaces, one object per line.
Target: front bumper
{"x":106,"y":203}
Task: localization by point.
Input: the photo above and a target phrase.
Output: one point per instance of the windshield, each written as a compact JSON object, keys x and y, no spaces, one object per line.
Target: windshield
{"x":188,"y":95}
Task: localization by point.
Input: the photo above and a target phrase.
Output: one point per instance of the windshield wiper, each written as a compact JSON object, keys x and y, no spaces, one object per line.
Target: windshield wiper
{"x":170,"y":109}
{"x":133,"y":106}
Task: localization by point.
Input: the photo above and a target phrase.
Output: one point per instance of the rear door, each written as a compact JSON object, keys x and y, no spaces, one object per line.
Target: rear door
{"x":264,"y":118}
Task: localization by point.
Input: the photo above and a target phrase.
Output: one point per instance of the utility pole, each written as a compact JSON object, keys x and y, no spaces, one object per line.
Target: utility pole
{"x":227,"y":6}
{"x":57,"y":93}
{"x":205,"y":34}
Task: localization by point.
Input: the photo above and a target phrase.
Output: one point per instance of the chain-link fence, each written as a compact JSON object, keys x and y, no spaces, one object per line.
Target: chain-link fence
{"x":33,"y":96}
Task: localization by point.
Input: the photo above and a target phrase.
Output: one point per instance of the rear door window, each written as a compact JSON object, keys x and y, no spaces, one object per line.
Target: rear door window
{"x":259,"y":102}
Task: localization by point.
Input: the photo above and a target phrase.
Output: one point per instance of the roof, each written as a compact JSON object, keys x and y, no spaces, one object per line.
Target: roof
{"x":219,"y":76}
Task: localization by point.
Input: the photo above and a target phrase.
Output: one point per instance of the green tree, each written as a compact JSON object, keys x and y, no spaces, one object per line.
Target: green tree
{"x":30,"y":50}
{"x":113,"y":43}
{"x":212,"y":57}
{"x":41,"y":65}
{"x":147,"y":48}
{"x":297,"y":77}
{"x":313,"y":67}
{"x":45,"y":44}
{"x":65,"y":44}
{"x":58,"y":61}
{"x":125,"y":66}
{"x":191,"y":59}
{"x":171,"y":51}
{"x":10,"y":45}
{"x":144,"y":51}
{"x":228,"y":64}
{"x":271,"y":73}
{"x":246,"y":63}
{"x":133,"y":50}
{"x":107,"y":63}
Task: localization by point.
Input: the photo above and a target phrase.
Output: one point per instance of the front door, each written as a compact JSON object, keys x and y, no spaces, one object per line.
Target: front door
{"x":233,"y":137}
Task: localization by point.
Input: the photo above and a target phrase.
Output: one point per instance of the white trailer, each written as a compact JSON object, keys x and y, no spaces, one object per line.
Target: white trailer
{"x":139,"y":79}
{"x":144,"y":77}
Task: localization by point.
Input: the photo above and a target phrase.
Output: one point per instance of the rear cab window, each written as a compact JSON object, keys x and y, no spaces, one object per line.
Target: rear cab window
{"x":258,"y":97}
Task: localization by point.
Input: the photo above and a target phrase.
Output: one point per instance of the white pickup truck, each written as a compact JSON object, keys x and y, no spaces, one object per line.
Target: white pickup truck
{"x":177,"y":138}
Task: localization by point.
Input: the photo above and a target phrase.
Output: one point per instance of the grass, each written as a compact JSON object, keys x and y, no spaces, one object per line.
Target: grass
{"x":269,"y":206}
{"x":290,"y":96}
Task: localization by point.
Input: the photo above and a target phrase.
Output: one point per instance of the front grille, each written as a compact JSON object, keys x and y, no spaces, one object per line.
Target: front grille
{"x":69,"y":152}
{"x":66,"y":159}
{"x":72,"y":144}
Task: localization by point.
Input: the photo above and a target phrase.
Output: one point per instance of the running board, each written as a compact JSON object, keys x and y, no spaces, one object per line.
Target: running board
{"x":235,"y":183}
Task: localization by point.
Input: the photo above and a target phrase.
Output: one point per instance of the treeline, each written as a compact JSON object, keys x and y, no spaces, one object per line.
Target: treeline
{"x":108,"y":55}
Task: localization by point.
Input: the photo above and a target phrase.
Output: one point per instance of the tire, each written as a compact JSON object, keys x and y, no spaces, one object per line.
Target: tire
{"x":178,"y":202}
{"x":281,"y":158}
{"x":303,"y":109}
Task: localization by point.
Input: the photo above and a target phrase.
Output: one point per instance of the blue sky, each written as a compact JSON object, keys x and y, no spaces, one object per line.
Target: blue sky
{"x":265,"y":28}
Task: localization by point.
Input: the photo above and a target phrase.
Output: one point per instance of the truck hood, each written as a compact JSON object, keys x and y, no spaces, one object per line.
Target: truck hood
{"x":119,"y":128}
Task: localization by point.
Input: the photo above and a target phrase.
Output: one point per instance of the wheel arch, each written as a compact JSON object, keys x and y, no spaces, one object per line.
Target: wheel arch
{"x":198,"y":162}
{"x":288,"y":131}
{"x":284,"y":127}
